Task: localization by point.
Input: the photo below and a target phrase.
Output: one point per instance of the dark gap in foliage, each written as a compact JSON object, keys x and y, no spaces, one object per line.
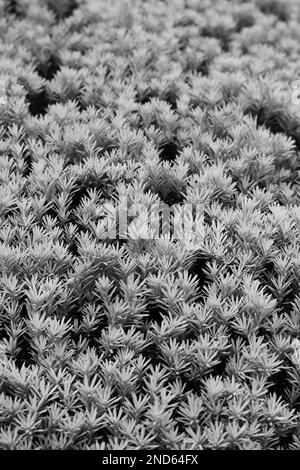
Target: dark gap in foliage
{"x":145,"y":99}
{"x":52,"y":213}
{"x":155,"y":314}
{"x":27,"y":168}
{"x":202,"y":67}
{"x":82,"y":190}
{"x":173,"y":197}
{"x":146,"y":96}
{"x":278,"y":383}
{"x":77,"y":196}
{"x":28,"y":158}
{"x":287,"y":303}
{"x":10,"y":214}
{"x":279,"y":386}
{"x":195,"y":65}
{"x":171,"y":98}
{"x":81,"y":104}
{"x":185,"y":21}
{"x":151,"y":352}
{"x":268,"y":268}
{"x":275,"y":7}
{"x":38,"y":103}
{"x":197,"y":269}
{"x":92,"y":339}
{"x":286,"y":440}
{"x":24,"y":355}
{"x":49,"y":69}
{"x":207,"y":218}
{"x":169,"y":152}
{"x":192,"y":385}
{"x":284,"y":304}
{"x":225,"y":44}
{"x":4,"y":334}
{"x":75,"y":313}
{"x":73,"y":248}
{"x":276,"y":123}
{"x":120,"y":242}
{"x":270,"y":120}
{"x":13,"y":7}
{"x":220,"y":368}
{"x":101,"y":434}
{"x":245,"y":22}
{"x":223,"y":37}
{"x":62,"y":8}
{"x":182,"y":44}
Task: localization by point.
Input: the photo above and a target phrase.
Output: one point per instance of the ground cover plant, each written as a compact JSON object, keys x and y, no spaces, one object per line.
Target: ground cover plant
{"x":139,"y":343}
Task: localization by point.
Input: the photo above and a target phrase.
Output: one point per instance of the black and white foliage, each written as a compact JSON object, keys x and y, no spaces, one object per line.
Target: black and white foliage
{"x":149,"y":343}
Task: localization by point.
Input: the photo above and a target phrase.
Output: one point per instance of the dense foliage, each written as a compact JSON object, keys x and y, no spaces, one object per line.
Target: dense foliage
{"x":149,"y":343}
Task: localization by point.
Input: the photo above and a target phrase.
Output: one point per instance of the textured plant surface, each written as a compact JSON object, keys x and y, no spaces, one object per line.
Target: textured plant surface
{"x":142,"y":343}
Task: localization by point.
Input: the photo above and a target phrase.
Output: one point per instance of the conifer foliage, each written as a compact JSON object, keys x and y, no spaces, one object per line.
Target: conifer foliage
{"x":145,"y":343}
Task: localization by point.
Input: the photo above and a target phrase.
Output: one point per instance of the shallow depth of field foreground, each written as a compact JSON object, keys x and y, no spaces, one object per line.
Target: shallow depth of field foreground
{"x":110,"y":337}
